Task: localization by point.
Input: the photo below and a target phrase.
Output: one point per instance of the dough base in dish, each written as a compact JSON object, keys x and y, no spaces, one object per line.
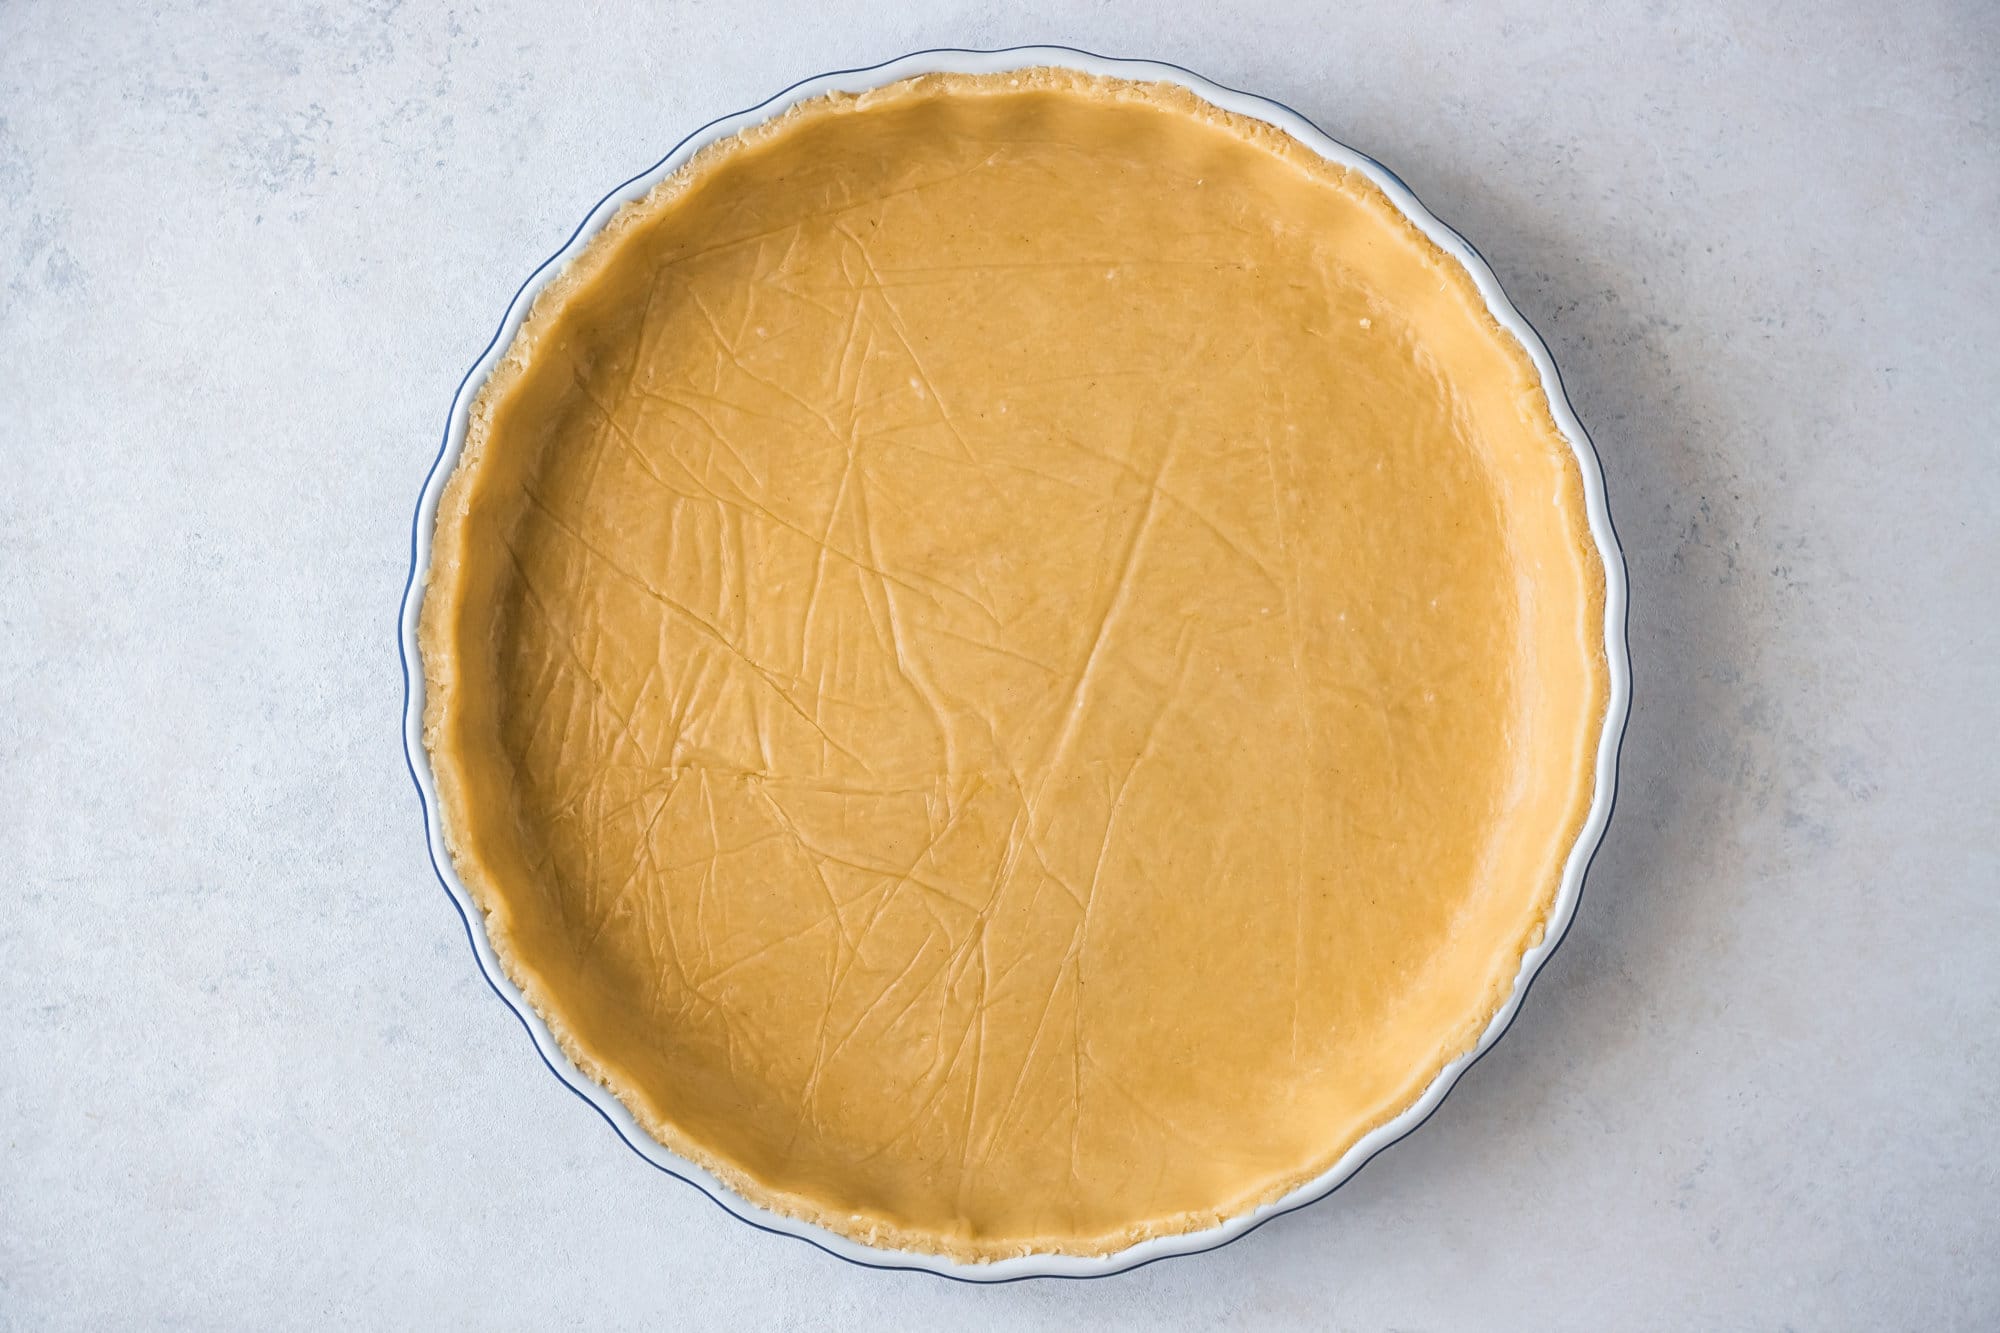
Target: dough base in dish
{"x":1013,"y":661}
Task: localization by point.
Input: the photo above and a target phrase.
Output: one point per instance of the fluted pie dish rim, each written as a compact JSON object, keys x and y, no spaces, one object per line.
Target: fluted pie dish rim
{"x":1575,"y":865}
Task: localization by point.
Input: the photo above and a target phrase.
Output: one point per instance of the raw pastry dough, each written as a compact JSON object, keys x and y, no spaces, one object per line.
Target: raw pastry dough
{"x":1013,"y":661}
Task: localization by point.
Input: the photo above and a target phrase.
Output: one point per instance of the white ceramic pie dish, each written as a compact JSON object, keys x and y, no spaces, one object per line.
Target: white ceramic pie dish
{"x":1580,"y":854}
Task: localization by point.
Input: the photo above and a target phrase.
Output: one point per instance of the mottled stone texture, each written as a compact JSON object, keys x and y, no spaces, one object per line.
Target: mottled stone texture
{"x":248,"y":1073}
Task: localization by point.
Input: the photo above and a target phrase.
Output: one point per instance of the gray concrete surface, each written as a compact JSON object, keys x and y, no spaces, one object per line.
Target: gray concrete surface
{"x":249,"y":1076}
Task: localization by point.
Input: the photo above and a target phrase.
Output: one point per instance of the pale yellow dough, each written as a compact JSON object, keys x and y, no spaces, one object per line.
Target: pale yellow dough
{"x":1013,"y":662}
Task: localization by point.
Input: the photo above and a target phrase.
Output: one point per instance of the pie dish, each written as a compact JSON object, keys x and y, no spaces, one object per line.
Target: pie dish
{"x":1019,"y":659}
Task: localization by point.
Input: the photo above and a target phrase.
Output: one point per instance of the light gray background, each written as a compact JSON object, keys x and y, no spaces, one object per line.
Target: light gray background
{"x":248,"y":1074}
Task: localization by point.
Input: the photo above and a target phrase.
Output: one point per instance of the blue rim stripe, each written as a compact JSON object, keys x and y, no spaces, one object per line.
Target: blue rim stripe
{"x":1518,"y":999}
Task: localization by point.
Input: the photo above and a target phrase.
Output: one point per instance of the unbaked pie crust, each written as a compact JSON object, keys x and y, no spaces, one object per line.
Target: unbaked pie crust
{"x":1013,"y":662}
